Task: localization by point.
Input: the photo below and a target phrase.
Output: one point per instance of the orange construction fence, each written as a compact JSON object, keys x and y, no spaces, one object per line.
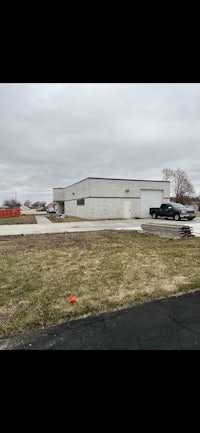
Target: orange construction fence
{"x":6,"y":213}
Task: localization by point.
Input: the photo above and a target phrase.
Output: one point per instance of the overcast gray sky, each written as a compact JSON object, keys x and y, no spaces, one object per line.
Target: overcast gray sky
{"x":53,"y":135}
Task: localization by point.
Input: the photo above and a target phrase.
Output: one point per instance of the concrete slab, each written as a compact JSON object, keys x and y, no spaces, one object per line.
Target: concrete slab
{"x":41,"y":219}
{"x":46,"y":227}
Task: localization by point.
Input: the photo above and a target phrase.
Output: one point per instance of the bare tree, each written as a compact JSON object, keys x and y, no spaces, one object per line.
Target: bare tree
{"x":12,"y":204}
{"x":181,"y":187}
{"x":27,"y":203}
{"x":198,"y":201}
{"x":37,"y":204}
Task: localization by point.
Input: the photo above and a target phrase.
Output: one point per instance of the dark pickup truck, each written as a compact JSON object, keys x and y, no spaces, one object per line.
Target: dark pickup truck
{"x":176,"y":211}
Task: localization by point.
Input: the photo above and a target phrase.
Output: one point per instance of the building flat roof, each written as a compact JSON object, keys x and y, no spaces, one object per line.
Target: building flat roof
{"x":113,"y":178}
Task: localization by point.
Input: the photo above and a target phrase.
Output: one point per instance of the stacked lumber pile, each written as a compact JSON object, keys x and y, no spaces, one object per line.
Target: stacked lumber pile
{"x":168,"y":230}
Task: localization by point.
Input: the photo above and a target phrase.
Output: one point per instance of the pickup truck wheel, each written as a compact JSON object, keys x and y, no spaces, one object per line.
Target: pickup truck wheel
{"x":154,"y":215}
{"x":177,"y":217}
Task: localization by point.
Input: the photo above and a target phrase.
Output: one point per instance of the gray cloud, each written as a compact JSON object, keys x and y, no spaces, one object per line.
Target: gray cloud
{"x":56,"y":134}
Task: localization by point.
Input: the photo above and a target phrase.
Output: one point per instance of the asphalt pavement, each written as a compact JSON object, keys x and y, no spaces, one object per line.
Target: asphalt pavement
{"x":167,"y":324}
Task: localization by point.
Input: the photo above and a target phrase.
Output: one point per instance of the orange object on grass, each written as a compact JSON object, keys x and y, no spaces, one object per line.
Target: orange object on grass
{"x":72,"y":299}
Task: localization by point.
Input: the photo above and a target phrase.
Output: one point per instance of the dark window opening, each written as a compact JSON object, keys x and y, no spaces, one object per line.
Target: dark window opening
{"x":80,"y":202}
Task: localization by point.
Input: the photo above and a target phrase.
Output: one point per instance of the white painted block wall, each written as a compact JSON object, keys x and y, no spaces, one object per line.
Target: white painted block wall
{"x":104,"y":198}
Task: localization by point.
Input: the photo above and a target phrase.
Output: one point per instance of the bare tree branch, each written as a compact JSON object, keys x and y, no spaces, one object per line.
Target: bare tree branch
{"x":180,"y":184}
{"x":12,"y":204}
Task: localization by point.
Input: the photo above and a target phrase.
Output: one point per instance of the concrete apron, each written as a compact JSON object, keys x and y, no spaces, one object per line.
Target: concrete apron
{"x":46,"y":227}
{"x":41,"y":219}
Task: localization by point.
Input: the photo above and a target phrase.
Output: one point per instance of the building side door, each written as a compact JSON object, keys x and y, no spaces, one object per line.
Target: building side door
{"x":127,"y":209}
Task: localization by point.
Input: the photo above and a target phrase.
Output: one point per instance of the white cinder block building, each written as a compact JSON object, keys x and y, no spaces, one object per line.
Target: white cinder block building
{"x":105,"y":198}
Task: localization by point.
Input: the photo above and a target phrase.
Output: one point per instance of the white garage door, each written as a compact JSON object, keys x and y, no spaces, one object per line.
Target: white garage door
{"x":150,"y":198}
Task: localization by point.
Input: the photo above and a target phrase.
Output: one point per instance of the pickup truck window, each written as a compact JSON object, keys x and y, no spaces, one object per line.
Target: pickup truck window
{"x":165,"y":206}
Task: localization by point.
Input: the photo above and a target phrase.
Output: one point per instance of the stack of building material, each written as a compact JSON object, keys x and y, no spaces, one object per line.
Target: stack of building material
{"x":186,"y":231}
{"x":168,"y":230}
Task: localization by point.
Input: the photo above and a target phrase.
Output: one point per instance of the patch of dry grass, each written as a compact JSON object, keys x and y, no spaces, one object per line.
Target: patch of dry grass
{"x":104,"y":270}
{"x":70,"y":219}
{"x":22,"y":219}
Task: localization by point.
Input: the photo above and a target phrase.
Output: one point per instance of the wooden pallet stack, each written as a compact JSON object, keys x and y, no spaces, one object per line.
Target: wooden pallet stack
{"x":168,"y":230}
